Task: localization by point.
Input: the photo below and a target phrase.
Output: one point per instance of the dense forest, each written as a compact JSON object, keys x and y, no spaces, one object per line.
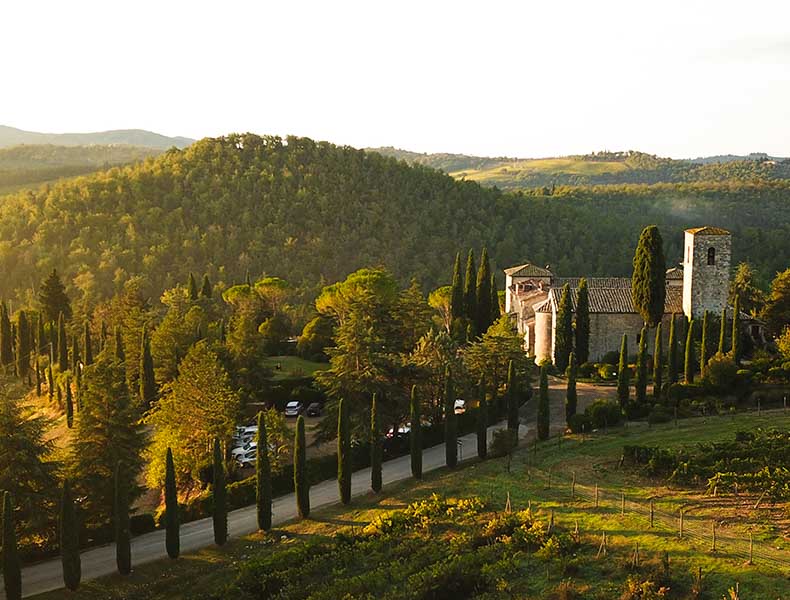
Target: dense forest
{"x":599,"y":168}
{"x":313,"y":212}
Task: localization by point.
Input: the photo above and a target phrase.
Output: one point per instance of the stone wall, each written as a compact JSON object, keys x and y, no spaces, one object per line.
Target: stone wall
{"x":607,"y":329}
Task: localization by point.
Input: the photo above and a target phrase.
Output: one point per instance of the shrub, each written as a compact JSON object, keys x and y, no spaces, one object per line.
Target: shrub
{"x":607,"y":371}
{"x":580,"y":423}
{"x":611,"y":358}
{"x":586,"y":370}
{"x":721,"y":372}
{"x":603,"y":413}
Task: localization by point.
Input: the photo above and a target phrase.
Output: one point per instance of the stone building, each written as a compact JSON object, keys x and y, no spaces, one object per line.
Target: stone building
{"x":532,"y":296}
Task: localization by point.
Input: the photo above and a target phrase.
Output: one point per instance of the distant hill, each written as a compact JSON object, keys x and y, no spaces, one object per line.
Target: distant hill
{"x":599,"y":168}
{"x":33,"y":165}
{"x":10,"y":136}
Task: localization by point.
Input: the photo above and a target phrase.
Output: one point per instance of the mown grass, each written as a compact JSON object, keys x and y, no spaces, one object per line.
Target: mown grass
{"x":572,"y":166}
{"x":285,"y":367}
{"x":594,"y":459}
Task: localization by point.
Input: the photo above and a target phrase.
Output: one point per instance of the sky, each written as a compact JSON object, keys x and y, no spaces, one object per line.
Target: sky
{"x":523,"y":79}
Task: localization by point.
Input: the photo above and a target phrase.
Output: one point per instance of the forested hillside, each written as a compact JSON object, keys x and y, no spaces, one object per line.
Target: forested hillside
{"x":11,"y":136}
{"x":600,"y":168}
{"x":29,"y":165}
{"x":313,"y":212}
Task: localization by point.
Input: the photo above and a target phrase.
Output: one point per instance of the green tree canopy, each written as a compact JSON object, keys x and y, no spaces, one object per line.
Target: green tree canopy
{"x":648,"y":283}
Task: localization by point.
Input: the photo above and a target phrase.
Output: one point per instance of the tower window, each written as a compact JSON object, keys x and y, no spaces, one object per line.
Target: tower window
{"x":711,"y":256}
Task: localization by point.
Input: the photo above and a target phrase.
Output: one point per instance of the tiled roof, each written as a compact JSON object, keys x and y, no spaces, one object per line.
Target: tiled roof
{"x":617,"y":299}
{"x":527,"y":270}
{"x":708,"y":231}
{"x":543,"y":307}
{"x":593,"y":282}
{"x":675,"y":273}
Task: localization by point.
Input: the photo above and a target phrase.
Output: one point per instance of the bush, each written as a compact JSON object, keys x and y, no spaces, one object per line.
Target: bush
{"x":603,"y":413}
{"x":606,"y":371}
{"x":721,"y":372}
{"x":580,"y":423}
{"x":611,"y":358}
{"x":586,"y":370}
{"x":686,"y":391}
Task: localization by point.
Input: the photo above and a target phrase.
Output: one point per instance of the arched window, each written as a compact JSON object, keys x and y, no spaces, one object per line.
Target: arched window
{"x":711,"y":256}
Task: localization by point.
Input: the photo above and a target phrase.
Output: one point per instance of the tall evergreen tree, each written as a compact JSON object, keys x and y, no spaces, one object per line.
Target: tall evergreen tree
{"x":120,"y":355}
{"x":172,"y":517}
{"x":563,"y":338}
{"x":688,"y":364}
{"x":513,"y":396}
{"x":87,"y":344}
{"x":52,"y":298}
{"x":301,"y":483}
{"x":6,"y":338}
{"x":470,"y":299}
{"x":483,"y":294}
{"x":457,"y":298}
{"x":343,"y":453}
{"x":496,"y":312}
{"x":23,"y":348}
{"x":482,"y":421}
{"x":415,"y":434}
{"x":375,"y":447}
{"x":640,"y":385}
{"x":582,"y":346}
{"x":63,"y":347}
{"x":571,"y":399}
{"x":75,"y":353}
{"x":193,"y":289}
{"x":648,"y":282}
{"x":205,"y":288}
{"x":263,"y":476}
{"x":220,"y":514}
{"x":623,"y":374}
{"x":544,"y":415}
{"x":123,"y":541}
{"x":69,"y":406}
{"x":450,"y":422}
{"x":658,"y":363}
{"x":735,"y":347}
{"x":147,"y":378}
{"x":723,"y":331}
{"x":704,"y":353}
{"x":69,"y":540}
{"x":12,"y":568}
{"x":672,"y":354}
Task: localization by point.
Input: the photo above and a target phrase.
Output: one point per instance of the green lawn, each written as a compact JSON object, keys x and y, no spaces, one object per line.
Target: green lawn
{"x":592,"y":460}
{"x":292,"y":366}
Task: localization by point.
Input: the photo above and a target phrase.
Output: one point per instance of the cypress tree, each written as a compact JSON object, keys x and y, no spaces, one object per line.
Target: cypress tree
{"x":102,"y":336}
{"x":450,"y":422}
{"x":571,"y":398}
{"x":301,"y":484}
{"x":672,"y":361}
{"x":38,"y":378}
{"x":688,"y":364}
{"x":375,"y":447}
{"x":147,"y":379}
{"x":41,"y":340}
{"x":483,"y":294}
{"x":87,"y":344}
{"x":482,"y":422}
{"x":69,"y":406}
{"x":12,"y":569}
{"x":220,"y":513}
{"x":623,"y":374}
{"x":263,"y":476}
{"x":512,"y":398}
{"x":119,"y":353}
{"x":470,"y":300}
{"x":205,"y":289}
{"x":723,"y":331}
{"x":648,"y":282}
{"x":172,"y":520}
{"x":736,"y":331}
{"x":563,"y":338}
{"x":640,"y":386}
{"x":52,"y":298}
{"x":457,"y":298}
{"x":544,"y":417}
{"x":50,"y":381}
{"x":704,"y":345}
{"x":75,"y":353}
{"x":193,"y":289}
{"x":343,"y":453}
{"x":658,"y":363}
{"x":58,"y":392}
{"x":415,"y":434}
{"x":582,"y":322}
{"x":495,"y":309}
{"x":63,"y":351}
{"x":23,"y":349}
{"x":123,"y":542}
{"x":6,"y":337}
{"x":69,"y":540}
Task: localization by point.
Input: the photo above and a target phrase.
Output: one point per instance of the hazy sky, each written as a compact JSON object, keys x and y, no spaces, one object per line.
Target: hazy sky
{"x":524,"y":79}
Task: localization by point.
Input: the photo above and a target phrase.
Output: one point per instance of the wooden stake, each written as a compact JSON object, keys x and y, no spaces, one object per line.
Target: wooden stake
{"x":751,"y":549}
{"x":596,"y":495}
{"x":573,"y":485}
{"x":507,"y":504}
{"x":681,"y":523}
{"x":652,"y":512}
{"x":551,"y":521}
{"x":602,"y":547}
{"x":713,"y":532}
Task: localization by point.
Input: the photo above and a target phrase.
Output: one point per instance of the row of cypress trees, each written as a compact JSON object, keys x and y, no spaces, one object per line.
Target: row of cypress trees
{"x":474,"y":304}
{"x":572,"y":337}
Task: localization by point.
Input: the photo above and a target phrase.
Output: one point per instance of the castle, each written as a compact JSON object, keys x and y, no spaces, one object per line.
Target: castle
{"x":532,"y":296}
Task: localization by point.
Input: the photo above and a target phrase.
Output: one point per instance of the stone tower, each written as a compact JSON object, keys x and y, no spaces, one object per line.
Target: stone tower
{"x":706,"y":270}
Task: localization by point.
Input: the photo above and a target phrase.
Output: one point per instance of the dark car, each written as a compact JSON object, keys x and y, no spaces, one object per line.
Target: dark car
{"x":315,"y":409}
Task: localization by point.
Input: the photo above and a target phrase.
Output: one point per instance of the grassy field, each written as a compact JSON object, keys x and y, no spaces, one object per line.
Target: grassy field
{"x":592,"y":460}
{"x":284,"y":367}
{"x":508,"y":172}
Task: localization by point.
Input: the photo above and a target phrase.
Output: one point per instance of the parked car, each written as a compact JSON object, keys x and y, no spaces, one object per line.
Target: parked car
{"x":248,"y":459}
{"x":459,"y":407}
{"x":240,"y":450}
{"x":294,"y":409}
{"x":315,"y":409}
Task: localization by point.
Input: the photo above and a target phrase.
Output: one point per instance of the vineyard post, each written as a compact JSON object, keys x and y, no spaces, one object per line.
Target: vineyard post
{"x":573,"y":486}
{"x":751,"y":549}
{"x":651,"y":513}
{"x":622,"y":504}
{"x":713,"y":532}
{"x":681,"y":524}
{"x":596,"y":494}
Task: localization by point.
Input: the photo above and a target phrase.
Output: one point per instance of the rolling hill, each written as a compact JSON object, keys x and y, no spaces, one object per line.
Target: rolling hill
{"x":10,"y":136}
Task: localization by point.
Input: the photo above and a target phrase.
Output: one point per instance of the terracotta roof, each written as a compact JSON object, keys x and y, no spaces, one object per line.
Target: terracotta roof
{"x":543,"y":307}
{"x":593,"y":282}
{"x":528,"y":270}
{"x":675,"y":273}
{"x":617,"y":300}
{"x":708,"y":231}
